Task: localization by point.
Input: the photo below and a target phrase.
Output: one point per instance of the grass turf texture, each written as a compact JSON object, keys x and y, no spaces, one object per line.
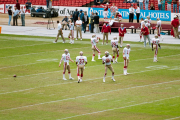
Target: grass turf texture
{"x":151,"y":91}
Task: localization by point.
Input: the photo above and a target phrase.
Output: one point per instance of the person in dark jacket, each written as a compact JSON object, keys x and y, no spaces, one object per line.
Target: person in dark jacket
{"x":85,"y":21}
{"x":75,"y":15}
{"x":96,"y":23}
{"x":92,"y":22}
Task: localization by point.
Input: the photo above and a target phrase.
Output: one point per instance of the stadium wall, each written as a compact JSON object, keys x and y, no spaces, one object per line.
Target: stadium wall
{"x":65,"y":10}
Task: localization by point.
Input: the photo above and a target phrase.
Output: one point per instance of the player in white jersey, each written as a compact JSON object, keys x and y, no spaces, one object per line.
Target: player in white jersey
{"x":66,"y":57}
{"x":107,"y":59}
{"x":149,"y":22}
{"x":115,"y":48}
{"x":126,"y":52}
{"x":155,"y":44}
{"x":95,"y":40}
{"x":140,"y":34}
{"x":80,"y":62}
{"x":159,"y":28}
{"x":71,"y":34}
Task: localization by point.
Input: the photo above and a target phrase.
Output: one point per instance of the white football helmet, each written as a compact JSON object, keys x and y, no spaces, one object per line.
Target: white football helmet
{"x":81,"y":53}
{"x":115,"y":37}
{"x":66,"y":51}
{"x":128,"y":45}
{"x":93,"y":35}
{"x":107,"y":53}
{"x":158,"y":19}
{"x":156,"y":36}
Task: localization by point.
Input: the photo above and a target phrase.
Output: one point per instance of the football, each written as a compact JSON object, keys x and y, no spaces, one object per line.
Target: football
{"x":107,"y":60}
{"x":14,"y":75}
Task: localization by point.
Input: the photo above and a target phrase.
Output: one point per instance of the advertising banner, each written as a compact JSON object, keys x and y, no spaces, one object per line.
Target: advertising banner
{"x":63,"y":10}
{"x":154,"y":14}
{"x":1,"y":8}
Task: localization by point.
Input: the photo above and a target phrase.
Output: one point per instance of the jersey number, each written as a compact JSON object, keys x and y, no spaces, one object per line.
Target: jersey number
{"x":67,"y":57}
{"x":81,"y":61}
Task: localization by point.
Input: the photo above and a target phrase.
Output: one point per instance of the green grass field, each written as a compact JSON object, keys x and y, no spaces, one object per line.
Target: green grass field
{"x":151,"y":91}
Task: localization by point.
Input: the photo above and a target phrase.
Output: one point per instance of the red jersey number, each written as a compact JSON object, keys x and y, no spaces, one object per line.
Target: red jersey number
{"x":81,"y":61}
{"x":67,"y":58}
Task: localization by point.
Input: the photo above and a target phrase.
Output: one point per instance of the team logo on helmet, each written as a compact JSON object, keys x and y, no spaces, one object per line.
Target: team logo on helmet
{"x":107,"y":53}
{"x":114,"y":37}
{"x":66,"y":50}
{"x":81,"y":53}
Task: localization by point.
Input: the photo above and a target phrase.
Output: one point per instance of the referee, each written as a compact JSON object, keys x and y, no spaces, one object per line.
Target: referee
{"x":131,"y":13}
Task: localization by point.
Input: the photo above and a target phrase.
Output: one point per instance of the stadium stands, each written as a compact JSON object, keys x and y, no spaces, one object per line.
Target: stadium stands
{"x":84,"y":3}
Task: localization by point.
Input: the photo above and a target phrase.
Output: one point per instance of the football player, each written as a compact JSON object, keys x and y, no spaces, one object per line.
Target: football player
{"x":80,"y":62}
{"x":126,"y":52}
{"x":71,"y":34}
{"x":115,"y":48}
{"x":66,"y":58}
{"x":107,"y":59}
{"x":140,"y":34}
{"x":95,"y":40}
{"x":155,"y":44}
{"x":159,"y":28}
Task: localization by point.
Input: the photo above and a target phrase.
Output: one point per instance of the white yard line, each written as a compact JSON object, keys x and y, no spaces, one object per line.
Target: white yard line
{"x":148,"y":85}
{"x":143,"y":103}
{"x":26,"y":45}
{"x":65,"y":83}
{"x":39,"y":52}
{"x":173,"y":118}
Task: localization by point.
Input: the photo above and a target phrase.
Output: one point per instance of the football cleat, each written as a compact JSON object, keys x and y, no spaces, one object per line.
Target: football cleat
{"x":54,"y":42}
{"x":92,"y":60}
{"x":71,"y":78}
{"x":64,"y":79}
{"x":113,"y":79}
{"x":78,"y":80}
{"x":103,"y":80}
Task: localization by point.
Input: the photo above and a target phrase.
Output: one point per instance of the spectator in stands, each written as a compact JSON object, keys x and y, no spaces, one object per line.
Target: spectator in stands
{"x":92,"y":22}
{"x":64,"y":23}
{"x":96,"y":2}
{"x":141,"y":4}
{"x":145,"y":32}
{"x":146,"y":2}
{"x":106,"y":1}
{"x":78,"y":28}
{"x":159,"y":5}
{"x":131,"y":13}
{"x":47,"y":3}
{"x":96,"y":22}
{"x":118,"y":16}
{"x":169,"y":5}
{"x":10,"y":15}
{"x":113,"y":10}
{"x":175,"y":5}
{"x":85,"y":20}
{"x":152,"y":7}
{"x":15,"y":16}
{"x":75,"y":15}
{"x":22,"y":12}
{"x":129,"y":1}
{"x":100,"y":2}
{"x":175,"y":25}
{"x":105,"y":30}
{"x":137,"y":13}
{"x":28,"y":5}
{"x":81,"y":15}
{"x":163,"y":4}
{"x":17,"y":5}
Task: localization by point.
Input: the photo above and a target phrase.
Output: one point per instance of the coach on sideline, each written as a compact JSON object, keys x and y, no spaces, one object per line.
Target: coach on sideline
{"x":145,"y":32}
{"x":105,"y":30}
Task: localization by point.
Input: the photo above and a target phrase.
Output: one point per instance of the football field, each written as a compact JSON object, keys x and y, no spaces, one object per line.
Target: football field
{"x":150,"y":92}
